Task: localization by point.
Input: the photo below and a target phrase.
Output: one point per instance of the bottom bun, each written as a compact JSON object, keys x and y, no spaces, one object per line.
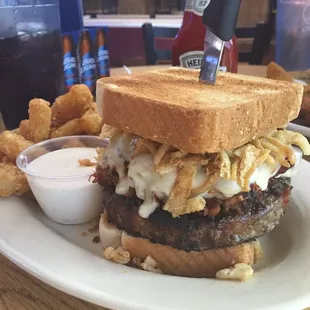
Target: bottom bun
{"x":204,"y":264}
{"x":110,"y":236}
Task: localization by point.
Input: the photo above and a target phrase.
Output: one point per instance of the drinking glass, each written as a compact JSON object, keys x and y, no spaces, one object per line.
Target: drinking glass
{"x":30,"y":56}
{"x":293,"y":34}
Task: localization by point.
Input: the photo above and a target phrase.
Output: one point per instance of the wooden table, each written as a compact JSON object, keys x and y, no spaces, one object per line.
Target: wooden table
{"x":20,"y":291}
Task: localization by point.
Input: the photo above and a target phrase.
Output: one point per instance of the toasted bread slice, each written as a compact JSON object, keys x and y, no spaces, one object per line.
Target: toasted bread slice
{"x":193,"y":264}
{"x":170,"y":106}
{"x":204,"y":264}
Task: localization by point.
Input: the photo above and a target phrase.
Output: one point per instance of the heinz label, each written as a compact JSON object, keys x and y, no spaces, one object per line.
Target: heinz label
{"x":191,"y":60}
{"x":196,"y":6}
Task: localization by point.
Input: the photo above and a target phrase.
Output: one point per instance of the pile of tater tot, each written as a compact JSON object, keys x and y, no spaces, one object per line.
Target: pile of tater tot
{"x":74,"y":113}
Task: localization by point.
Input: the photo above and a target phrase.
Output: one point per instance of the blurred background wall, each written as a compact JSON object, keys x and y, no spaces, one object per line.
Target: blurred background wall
{"x":126,"y":43}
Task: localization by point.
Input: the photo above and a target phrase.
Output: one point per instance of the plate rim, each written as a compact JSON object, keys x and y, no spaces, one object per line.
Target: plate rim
{"x":299,"y":128}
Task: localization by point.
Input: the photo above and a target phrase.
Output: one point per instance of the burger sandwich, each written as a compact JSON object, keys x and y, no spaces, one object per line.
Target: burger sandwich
{"x":194,"y":174}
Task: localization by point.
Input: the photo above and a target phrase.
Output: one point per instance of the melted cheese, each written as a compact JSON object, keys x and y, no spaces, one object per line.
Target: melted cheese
{"x":294,"y":170}
{"x":151,"y":187}
{"x":116,"y":156}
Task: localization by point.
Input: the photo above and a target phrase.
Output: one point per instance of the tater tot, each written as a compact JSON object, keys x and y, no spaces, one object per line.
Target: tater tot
{"x":71,"y":128}
{"x":91,"y":122}
{"x":17,"y":131}
{"x":94,"y":106}
{"x":24,"y":129}
{"x":4,"y":158}
{"x":12,"y":180}
{"x":73,"y":104}
{"x":40,"y":117}
{"x":11,"y":144}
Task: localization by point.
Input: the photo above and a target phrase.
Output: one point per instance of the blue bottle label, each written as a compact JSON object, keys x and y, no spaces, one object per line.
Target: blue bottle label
{"x":103,"y":62}
{"x":70,"y":70}
{"x":88,"y":70}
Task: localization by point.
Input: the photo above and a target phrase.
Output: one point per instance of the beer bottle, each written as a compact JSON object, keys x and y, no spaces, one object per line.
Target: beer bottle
{"x":87,"y":61}
{"x":69,"y":62}
{"x":103,"y":66}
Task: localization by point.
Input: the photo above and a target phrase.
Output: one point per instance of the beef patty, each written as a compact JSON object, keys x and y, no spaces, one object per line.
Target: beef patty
{"x":258,"y":213}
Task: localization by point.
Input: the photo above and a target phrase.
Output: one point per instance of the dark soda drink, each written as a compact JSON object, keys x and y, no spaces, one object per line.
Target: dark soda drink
{"x":31,"y":67}
{"x":30,"y":58}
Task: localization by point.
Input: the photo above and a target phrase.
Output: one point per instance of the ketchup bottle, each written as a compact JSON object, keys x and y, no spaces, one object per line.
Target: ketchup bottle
{"x":188,"y":46}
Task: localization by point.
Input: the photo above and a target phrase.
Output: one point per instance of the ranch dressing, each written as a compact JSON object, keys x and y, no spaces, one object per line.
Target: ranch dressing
{"x":62,"y":187}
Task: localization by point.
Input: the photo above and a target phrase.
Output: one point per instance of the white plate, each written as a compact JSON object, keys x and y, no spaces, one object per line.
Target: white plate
{"x":299,"y":128}
{"x":61,"y":257}
{"x":301,"y":82}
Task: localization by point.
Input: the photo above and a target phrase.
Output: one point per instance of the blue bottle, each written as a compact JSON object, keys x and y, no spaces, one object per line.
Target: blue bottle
{"x":103,"y":66}
{"x":87,"y":61}
{"x":70,"y":64}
